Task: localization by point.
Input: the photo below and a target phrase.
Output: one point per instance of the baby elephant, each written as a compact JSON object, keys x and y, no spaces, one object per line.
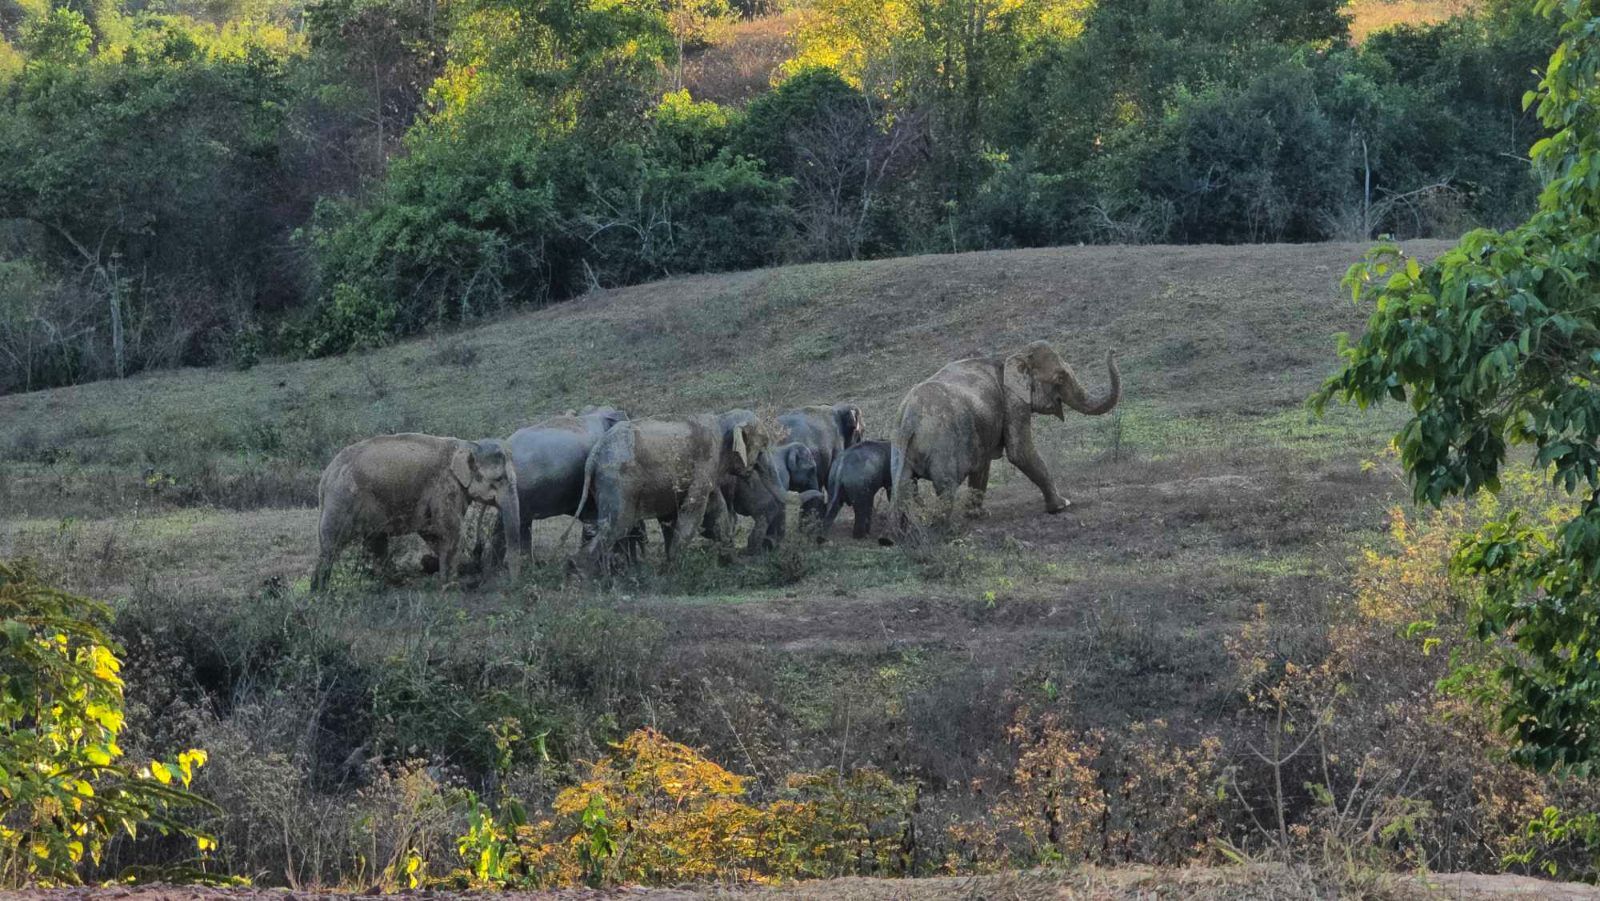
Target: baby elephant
{"x":857,"y":475}
{"x":398,"y":484}
{"x":796,"y":467}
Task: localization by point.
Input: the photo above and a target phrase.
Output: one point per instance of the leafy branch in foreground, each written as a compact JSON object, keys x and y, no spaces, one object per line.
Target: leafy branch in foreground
{"x":63,"y":792}
{"x":1497,"y":343}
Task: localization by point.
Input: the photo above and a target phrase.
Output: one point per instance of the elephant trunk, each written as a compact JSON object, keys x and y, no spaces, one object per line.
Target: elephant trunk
{"x":511,"y":524}
{"x":1076,"y":399}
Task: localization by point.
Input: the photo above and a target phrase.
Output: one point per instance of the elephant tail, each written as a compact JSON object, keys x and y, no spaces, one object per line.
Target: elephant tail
{"x":583,"y":496}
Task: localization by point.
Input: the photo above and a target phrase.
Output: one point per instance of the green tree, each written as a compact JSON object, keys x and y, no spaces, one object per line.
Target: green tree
{"x":64,"y":789}
{"x":1494,"y":344}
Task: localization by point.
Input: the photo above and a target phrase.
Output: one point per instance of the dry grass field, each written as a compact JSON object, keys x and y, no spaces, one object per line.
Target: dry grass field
{"x":1210,"y":503}
{"x":1368,"y":16}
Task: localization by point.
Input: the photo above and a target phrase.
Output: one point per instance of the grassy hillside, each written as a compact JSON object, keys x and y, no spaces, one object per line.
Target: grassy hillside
{"x":1218,"y":348}
{"x":1368,"y":16}
{"x":1209,"y":502}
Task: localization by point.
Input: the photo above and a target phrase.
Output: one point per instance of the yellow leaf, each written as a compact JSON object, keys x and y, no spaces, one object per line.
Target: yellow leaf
{"x":161,"y":772}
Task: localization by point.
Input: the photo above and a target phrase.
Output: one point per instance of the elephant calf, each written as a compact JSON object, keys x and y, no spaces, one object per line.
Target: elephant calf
{"x":796,"y":467}
{"x":399,"y":484}
{"x":858,"y":475}
{"x":827,"y":431}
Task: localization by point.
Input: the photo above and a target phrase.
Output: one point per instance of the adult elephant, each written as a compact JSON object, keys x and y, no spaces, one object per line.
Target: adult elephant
{"x":667,"y":469}
{"x":953,"y":425}
{"x":399,"y":484}
{"x":548,"y":457}
{"x":826,"y":430}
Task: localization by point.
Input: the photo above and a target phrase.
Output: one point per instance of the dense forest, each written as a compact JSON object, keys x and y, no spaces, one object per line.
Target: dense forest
{"x":210,"y":181}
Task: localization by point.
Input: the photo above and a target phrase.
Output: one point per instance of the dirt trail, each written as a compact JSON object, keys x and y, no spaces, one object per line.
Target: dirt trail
{"x":1085,"y":885}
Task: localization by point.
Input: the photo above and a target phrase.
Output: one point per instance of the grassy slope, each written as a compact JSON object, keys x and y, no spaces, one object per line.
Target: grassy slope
{"x":1210,"y":496}
{"x":1368,"y":16}
{"x":1209,"y":334}
{"x":1210,"y":493}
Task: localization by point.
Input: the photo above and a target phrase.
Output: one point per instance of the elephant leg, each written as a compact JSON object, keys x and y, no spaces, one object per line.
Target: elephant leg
{"x":669,"y":534}
{"x":757,"y":542}
{"x":863,"y":524}
{"x":835,"y":502}
{"x":947,"y":494}
{"x":445,"y":548}
{"x":377,"y":547}
{"x":767,"y":532}
{"x":632,"y":544}
{"x":691,"y":513}
{"x":1023,"y":456}
{"x":977,"y":487}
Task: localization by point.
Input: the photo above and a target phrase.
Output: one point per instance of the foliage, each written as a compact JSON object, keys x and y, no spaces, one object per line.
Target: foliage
{"x":139,"y":181}
{"x":1097,"y":797}
{"x":371,"y":168}
{"x":64,"y":794}
{"x":656,"y":812}
{"x":1461,"y":801}
{"x":1495,"y":344}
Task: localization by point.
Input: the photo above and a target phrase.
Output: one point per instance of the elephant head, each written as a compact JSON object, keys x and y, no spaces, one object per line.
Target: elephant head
{"x":800,"y":465}
{"x":1039,"y":375}
{"x":852,"y":425}
{"x":749,"y":442}
{"x":609,"y":416}
{"x":484,"y":472}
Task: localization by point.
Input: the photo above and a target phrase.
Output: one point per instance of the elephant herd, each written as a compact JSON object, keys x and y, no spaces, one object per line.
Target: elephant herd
{"x":697,"y":473}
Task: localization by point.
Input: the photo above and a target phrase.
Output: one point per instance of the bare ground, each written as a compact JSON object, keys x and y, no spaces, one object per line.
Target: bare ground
{"x":1255,"y":883}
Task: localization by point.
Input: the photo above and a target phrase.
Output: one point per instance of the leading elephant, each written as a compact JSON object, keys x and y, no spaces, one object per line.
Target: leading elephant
{"x":667,"y":469}
{"x":953,"y":425}
{"x":826,"y":430}
{"x":399,"y":484}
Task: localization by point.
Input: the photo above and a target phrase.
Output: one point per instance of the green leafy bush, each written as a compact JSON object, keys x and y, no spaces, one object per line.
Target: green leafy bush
{"x":64,"y":790}
{"x":1495,"y":344}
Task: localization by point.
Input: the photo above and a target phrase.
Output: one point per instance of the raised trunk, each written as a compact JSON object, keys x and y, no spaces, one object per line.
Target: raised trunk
{"x":1075,"y":397}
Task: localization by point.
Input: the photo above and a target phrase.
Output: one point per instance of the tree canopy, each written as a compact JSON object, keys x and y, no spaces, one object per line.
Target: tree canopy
{"x":1494,"y":345}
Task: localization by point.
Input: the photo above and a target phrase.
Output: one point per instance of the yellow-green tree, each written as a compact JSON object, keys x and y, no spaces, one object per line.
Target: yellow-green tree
{"x":64,"y":789}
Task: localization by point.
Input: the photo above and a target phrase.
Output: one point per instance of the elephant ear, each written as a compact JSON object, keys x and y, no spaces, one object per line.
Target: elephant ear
{"x":741,"y":448}
{"x":464,"y":465}
{"x":1017,"y":373}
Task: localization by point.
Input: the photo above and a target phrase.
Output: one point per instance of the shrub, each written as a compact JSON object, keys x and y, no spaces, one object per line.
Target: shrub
{"x":64,"y":794}
{"x":1135,"y":796}
{"x":656,"y":812}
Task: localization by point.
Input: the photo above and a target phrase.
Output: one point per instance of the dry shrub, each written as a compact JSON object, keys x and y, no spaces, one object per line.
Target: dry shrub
{"x":281,"y":830}
{"x":1130,"y":796}
{"x":656,"y":812}
{"x":1376,"y":745}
